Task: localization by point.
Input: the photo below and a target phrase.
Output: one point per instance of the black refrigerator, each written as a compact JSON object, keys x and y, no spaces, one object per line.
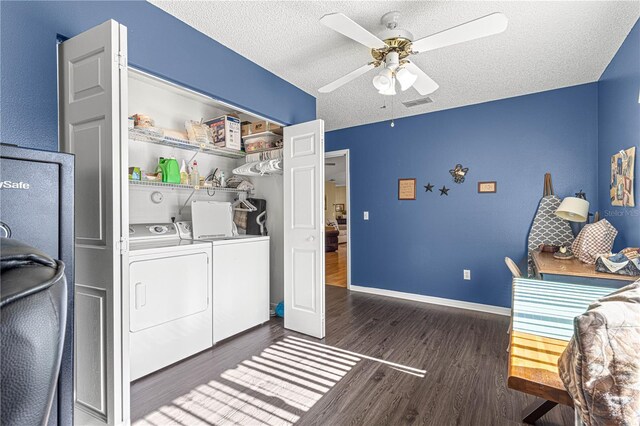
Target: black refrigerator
{"x":36,"y":207}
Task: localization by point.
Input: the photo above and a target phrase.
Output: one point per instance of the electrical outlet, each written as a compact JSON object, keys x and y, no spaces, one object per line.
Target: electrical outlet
{"x":467,"y":274}
{"x":366,"y":215}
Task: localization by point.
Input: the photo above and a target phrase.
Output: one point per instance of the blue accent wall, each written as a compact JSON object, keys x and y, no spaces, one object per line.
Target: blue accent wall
{"x":619,"y":128}
{"x":158,"y":43}
{"x":422,"y":246}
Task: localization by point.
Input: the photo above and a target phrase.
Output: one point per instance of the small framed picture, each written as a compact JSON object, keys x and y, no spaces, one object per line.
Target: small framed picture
{"x":487,"y":187}
{"x":406,"y":189}
{"x":339,"y":207}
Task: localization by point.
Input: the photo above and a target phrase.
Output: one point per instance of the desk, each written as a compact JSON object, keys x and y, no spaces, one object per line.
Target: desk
{"x":573,"y":271}
{"x":542,"y":324}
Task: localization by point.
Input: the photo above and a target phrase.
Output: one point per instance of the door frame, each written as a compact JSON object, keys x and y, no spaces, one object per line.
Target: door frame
{"x":334,"y":154}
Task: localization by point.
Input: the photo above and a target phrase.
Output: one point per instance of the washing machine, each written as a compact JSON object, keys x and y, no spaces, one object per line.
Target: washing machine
{"x":170,"y":297}
{"x":240,"y":268}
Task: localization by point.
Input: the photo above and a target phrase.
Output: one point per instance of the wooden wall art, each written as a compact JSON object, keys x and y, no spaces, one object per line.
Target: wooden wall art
{"x":406,"y":189}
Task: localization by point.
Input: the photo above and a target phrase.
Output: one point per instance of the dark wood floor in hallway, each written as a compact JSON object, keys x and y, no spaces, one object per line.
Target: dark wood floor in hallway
{"x":384,"y":362}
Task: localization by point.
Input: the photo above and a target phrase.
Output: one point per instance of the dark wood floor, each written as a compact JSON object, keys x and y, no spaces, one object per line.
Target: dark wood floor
{"x":448,"y":368}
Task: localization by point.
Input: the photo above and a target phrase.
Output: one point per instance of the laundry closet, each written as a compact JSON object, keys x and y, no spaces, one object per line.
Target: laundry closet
{"x":170,"y":262}
{"x":199,"y":269}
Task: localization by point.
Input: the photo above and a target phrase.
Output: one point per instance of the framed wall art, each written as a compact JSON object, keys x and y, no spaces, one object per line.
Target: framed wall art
{"x":489,"y":187}
{"x":622,"y":179}
{"x":406,"y":189}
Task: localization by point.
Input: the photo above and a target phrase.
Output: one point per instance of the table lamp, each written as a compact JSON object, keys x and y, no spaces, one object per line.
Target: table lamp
{"x":573,"y":209}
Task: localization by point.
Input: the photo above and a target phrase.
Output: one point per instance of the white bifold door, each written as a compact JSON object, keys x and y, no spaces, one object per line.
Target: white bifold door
{"x":93,"y":93}
{"x":304,"y":305}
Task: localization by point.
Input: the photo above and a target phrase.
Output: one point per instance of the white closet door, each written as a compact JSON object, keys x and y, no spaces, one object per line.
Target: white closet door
{"x":93,"y":95}
{"x":304,"y":228}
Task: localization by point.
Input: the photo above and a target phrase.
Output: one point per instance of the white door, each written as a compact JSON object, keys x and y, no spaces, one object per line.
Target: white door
{"x":93,"y":93}
{"x":304,"y":228}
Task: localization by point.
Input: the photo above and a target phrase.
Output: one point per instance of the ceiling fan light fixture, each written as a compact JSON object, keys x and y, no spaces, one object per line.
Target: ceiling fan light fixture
{"x":406,"y":78}
{"x":392,"y":60}
{"x":383,"y":80}
{"x":391,"y":90}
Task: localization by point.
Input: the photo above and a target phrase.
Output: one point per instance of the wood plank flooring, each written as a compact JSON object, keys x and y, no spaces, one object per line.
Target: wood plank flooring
{"x":336,"y":266}
{"x":384,"y":362}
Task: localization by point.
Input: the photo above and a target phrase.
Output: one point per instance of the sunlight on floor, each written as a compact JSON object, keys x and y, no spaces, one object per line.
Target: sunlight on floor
{"x":293,"y":372}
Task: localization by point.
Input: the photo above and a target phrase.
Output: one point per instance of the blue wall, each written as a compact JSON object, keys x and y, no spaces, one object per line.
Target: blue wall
{"x":158,"y":43}
{"x":423,"y":246}
{"x":619,"y":128}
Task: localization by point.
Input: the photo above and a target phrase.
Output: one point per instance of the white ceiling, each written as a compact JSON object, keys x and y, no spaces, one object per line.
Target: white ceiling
{"x":336,"y":169}
{"x":546,"y":46}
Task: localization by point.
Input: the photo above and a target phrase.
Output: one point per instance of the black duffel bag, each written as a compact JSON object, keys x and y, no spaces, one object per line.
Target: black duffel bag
{"x":33,"y":314}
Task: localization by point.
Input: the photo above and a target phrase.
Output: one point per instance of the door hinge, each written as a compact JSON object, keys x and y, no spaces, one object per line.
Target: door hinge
{"x":121,"y":60}
{"x":123,"y":245}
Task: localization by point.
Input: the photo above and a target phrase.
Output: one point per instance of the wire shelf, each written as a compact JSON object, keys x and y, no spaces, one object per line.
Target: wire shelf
{"x":155,"y":138}
{"x":146,"y":183}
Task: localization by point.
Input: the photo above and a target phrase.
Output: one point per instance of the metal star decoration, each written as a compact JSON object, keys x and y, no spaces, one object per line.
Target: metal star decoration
{"x":428,"y":187}
{"x":458,"y":173}
{"x":444,"y":191}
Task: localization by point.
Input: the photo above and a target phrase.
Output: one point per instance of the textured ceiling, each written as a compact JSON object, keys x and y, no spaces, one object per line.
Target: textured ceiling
{"x":546,"y":46}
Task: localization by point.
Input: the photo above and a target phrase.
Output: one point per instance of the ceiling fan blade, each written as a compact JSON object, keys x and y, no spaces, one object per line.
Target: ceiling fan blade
{"x":423,"y":84}
{"x":347,"y":78}
{"x":344,"y":25}
{"x":478,"y":28}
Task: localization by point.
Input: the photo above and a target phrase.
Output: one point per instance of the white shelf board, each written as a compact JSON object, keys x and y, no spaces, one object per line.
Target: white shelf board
{"x":152,"y":184}
{"x":142,"y":135}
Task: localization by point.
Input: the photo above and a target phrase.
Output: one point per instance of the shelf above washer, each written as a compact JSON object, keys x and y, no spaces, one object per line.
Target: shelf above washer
{"x":152,"y":184}
{"x":152,"y":137}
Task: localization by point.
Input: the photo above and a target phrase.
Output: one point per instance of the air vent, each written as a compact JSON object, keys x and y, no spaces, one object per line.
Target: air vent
{"x":416,"y":102}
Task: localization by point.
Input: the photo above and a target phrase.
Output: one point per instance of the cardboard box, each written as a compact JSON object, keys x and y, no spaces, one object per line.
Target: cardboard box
{"x":264,"y":126}
{"x":226,"y":132}
{"x":246,"y":129}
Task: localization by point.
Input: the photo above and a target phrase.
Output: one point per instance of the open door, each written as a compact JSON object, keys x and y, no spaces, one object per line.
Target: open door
{"x":93,"y":93}
{"x":304,"y":228}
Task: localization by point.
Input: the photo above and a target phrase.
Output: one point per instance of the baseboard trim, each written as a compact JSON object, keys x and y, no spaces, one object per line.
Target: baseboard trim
{"x":499,"y":310}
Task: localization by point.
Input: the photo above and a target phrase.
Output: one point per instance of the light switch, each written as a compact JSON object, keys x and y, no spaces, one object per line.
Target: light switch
{"x":366,"y":215}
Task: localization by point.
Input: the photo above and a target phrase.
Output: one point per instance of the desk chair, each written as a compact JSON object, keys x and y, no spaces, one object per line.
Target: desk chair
{"x":515,"y":271}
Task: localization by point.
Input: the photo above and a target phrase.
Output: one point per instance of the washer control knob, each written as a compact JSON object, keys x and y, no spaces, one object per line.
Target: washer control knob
{"x":158,"y":229}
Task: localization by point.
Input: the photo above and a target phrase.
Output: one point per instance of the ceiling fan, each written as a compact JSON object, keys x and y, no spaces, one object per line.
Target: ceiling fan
{"x":394,"y":46}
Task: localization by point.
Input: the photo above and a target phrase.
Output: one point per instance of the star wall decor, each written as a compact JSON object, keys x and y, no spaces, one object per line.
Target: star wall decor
{"x":428,"y":187}
{"x":458,"y":173}
{"x":444,"y":191}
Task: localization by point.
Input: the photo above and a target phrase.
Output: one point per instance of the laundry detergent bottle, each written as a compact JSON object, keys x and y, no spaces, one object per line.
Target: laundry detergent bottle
{"x":170,"y":170}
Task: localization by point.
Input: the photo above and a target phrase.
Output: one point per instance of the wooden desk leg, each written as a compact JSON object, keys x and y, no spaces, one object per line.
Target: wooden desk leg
{"x":536,"y":410}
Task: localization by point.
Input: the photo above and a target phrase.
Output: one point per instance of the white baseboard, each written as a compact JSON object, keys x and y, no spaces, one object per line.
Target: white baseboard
{"x":499,"y":310}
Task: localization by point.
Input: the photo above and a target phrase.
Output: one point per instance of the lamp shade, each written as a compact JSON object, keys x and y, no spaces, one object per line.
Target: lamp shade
{"x":573,"y":209}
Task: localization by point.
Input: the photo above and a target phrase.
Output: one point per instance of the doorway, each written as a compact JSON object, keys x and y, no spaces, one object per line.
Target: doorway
{"x":337,"y":205}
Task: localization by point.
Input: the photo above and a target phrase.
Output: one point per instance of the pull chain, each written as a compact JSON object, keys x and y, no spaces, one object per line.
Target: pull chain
{"x":392,"y":112}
